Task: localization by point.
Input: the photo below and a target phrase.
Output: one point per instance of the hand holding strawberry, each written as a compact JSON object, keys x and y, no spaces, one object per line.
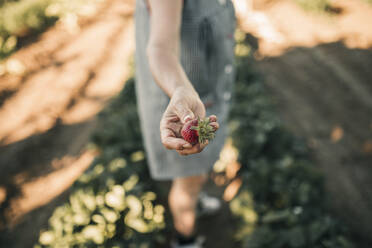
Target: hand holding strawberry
{"x":184,"y":109}
{"x":198,"y":131}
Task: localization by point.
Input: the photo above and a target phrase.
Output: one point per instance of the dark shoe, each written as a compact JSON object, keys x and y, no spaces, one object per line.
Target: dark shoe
{"x":198,"y":243}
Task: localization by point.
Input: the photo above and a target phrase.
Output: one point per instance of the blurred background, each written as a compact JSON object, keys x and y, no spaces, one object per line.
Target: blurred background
{"x":295,"y":172}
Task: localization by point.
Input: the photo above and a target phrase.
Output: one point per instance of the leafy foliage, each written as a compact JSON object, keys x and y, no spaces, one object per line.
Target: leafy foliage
{"x":112,"y":204}
{"x":22,"y":18}
{"x":320,"y":6}
{"x":280,"y":204}
{"x":120,"y":132}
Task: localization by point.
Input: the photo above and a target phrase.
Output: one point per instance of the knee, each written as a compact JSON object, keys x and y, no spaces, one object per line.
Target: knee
{"x":190,"y":185}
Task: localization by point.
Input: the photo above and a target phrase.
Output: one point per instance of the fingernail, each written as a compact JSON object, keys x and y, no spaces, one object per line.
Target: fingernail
{"x":187,"y":118}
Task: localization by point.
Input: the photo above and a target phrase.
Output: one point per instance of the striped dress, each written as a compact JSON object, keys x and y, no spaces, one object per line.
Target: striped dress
{"x":207,"y":56}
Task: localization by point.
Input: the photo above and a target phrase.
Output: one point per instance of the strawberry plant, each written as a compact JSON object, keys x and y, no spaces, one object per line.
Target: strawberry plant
{"x":112,"y":204}
{"x":280,"y":203}
{"x":23,"y":18}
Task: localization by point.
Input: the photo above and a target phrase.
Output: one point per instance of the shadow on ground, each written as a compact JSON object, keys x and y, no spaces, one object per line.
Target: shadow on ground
{"x":31,"y":159}
{"x":324,"y":94}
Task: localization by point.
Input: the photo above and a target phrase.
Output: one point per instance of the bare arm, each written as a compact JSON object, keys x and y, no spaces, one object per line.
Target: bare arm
{"x":163,"y":47}
{"x":163,"y":53}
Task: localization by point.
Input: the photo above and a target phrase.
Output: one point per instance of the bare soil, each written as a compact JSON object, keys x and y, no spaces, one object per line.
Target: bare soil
{"x":48,"y":114}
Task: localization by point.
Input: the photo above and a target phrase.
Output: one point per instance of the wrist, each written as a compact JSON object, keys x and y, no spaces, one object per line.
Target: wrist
{"x":186,"y":90}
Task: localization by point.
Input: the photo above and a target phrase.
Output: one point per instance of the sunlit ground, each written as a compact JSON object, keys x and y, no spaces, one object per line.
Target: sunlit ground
{"x":56,"y":87}
{"x":280,"y":25}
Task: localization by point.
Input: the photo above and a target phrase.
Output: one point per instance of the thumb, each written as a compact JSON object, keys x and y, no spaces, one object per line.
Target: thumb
{"x":185,"y":114}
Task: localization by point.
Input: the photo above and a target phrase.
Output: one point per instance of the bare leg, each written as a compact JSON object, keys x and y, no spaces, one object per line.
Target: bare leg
{"x":182,"y":202}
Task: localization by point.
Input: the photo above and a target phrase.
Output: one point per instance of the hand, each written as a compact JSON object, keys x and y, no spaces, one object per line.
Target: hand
{"x":184,"y":105}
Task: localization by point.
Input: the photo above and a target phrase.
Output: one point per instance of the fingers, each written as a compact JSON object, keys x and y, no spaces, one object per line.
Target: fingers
{"x":215,"y":125}
{"x":213,"y":118}
{"x":199,"y":147}
{"x":184,"y":113}
{"x":173,"y":143}
{"x":187,"y":118}
{"x":193,"y":150}
{"x":169,"y":128}
{"x":203,"y":145}
{"x":213,"y":122}
{"x":168,"y":135}
{"x":170,"y":141}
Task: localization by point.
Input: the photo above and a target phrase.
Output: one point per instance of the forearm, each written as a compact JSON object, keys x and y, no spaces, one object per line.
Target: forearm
{"x":166,"y":69}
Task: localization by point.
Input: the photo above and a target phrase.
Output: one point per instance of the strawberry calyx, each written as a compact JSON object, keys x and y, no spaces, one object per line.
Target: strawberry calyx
{"x":204,"y":129}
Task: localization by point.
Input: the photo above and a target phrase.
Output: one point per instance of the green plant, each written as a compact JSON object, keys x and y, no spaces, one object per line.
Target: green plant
{"x":2,"y":2}
{"x":109,"y":207}
{"x":22,"y":18}
{"x":112,"y":204}
{"x":320,"y":6}
{"x":280,"y":204}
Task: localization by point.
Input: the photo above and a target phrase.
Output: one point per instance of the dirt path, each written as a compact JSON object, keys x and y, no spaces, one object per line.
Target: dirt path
{"x":320,"y":78}
{"x":48,"y":114}
{"x":51,"y":113}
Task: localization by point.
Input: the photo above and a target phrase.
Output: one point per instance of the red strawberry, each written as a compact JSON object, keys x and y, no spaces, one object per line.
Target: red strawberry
{"x":190,"y":134}
{"x":197,"y":131}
